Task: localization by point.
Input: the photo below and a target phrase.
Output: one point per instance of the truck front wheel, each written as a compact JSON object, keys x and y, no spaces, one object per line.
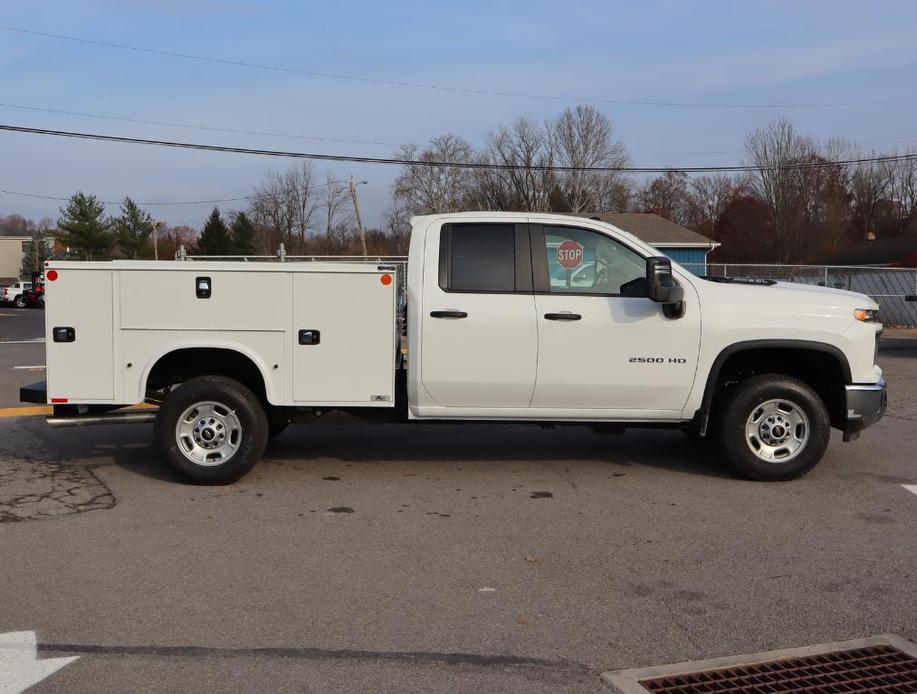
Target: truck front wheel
{"x":773,"y":427}
{"x":211,"y":430}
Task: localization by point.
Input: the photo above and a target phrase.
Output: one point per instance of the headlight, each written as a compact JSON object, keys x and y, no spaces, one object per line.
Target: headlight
{"x":867,"y":315}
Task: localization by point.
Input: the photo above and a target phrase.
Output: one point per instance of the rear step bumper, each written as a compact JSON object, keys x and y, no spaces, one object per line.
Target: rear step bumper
{"x":69,"y":416}
{"x":85,"y":420}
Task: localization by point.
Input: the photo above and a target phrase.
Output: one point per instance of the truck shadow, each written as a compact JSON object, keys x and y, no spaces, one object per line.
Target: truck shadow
{"x":129,"y":447}
{"x":497,"y":444}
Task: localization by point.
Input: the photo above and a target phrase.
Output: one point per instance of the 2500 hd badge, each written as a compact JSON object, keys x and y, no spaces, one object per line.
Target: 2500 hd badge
{"x":657,"y":360}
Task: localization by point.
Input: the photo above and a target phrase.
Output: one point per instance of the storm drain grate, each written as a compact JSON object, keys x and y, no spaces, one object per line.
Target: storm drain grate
{"x":876,"y":669}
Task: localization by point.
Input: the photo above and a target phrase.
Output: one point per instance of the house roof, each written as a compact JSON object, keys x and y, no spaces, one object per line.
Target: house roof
{"x":900,"y":252}
{"x":656,"y":230}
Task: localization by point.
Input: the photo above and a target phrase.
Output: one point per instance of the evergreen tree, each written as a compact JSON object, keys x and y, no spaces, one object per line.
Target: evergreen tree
{"x":244,"y":235}
{"x":83,"y":229}
{"x":215,"y":238}
{"x":132,"y":228}
{"x":36,"y":253}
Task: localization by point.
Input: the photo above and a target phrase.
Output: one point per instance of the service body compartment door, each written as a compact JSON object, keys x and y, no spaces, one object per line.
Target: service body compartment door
{"x":344,"y":339}
{"x":154,"y":299}
{"x":80,"y":361}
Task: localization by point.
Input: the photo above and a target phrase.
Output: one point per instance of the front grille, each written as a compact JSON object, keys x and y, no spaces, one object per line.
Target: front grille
{"x":876,"y":669}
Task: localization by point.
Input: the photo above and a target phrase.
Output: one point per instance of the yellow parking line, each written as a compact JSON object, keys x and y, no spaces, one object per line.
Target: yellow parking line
{"x":45,"y":410}
{"x":25,"y":411}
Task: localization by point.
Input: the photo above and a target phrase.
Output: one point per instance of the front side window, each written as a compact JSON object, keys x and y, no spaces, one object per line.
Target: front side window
{"x":480,"y":258}
{"x":587,"y":262}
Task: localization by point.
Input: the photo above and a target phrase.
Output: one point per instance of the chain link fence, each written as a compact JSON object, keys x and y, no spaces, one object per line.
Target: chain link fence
{"x":890,"y":287}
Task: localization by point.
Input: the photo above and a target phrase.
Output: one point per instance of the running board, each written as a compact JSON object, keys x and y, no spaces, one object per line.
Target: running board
{"x":108,"y":418}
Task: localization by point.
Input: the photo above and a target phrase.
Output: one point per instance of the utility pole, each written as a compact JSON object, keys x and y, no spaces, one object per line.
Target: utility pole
{"x":156,"y":240}
{"x":356,"y":209}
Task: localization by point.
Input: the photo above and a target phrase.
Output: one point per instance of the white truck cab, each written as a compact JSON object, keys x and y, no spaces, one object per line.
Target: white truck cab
{"x":510,"y":317}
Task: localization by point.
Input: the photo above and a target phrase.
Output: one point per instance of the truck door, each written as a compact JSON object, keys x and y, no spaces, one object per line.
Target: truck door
{"x":602,"y":343}
{"x":479,"y":332}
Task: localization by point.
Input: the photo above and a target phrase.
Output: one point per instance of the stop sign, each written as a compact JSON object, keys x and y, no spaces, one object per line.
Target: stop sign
{"x":570,"y":254}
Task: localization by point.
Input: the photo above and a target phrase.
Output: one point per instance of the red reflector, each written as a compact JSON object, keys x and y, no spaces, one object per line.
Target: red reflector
{"x":59,"y":400}
{"x":386,"y":280}
{"x":51,"y":275}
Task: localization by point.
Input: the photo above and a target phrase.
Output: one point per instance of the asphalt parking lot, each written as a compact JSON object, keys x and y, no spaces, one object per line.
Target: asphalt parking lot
{"x":440,"y":558}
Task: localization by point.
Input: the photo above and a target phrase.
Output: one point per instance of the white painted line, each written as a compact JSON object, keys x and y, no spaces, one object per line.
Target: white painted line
{"x":39,"y":367}
{"x":20,"y":667}
{"x":912,"y":488}
{"x":22,"y":342}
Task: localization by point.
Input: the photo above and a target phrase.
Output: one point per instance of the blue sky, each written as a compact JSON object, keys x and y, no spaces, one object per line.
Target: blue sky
{"x":686,"y":52}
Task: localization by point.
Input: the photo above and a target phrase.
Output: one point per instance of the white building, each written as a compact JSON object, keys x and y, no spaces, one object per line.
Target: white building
{"x":12,"y":248}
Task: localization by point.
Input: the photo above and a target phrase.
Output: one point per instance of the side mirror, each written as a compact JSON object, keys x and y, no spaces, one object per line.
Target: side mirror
{"x":662,"y":287}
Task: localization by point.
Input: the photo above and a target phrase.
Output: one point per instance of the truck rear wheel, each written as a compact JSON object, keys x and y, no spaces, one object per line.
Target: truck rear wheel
{"x":773,"y":427}
{"x":211,"y":430}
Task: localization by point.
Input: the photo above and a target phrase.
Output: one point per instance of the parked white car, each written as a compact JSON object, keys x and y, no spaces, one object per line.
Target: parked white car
{"x":13,"y":293}
{"x":510,"y":317}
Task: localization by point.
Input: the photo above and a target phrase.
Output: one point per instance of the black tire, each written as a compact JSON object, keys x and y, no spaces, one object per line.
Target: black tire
{"x":250,"y":427}
{"x":750,"y":398}
{"x":20,"y":301}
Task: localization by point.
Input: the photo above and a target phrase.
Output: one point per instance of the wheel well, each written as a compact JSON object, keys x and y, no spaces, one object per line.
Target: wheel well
{"x":184,"y":364}
{"x":823,"y":371}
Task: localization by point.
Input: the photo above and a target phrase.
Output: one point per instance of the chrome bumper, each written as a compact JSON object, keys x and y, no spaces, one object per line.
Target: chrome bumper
{"x":866,"y":404}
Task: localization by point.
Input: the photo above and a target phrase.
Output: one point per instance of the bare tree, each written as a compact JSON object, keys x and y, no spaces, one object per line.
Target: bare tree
{"x":869,"y":186}
{"x":299,"y":183}
{"x":522,"y":184}
{"x":710,"y":196}
{"x":904,"y":193}
{"x":435,"y":189}
{"x":824,"y":200}
{"x":283,"y":207}
{"x":336,"y":212}
{"x":273,"y":211}
{"x":582,"y":137}
{"x":776,"y":151}
{"x":668,"y":196}
{"x":397,"y":225}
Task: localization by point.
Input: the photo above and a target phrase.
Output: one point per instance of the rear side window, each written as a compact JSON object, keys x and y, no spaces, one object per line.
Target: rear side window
{"x":478,"y":258}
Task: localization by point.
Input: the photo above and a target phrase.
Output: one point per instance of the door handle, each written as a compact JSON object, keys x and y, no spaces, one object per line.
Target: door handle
{"x":448,"y":314}
{"x":310,"y":337}
{"x":563,"y":316}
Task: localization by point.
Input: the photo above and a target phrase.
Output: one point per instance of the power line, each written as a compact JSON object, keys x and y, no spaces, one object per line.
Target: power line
{"x":118,"y":202}
{"x":443,"y":88}
{"x":126,"y":119}
{"x":153,"y":204}
{"x":445,"y":164}
{"x":236,"y":131}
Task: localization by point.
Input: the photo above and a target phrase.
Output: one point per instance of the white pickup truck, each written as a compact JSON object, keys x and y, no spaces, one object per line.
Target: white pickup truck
{"x":15,"y":294}
{"x":509,"y":317}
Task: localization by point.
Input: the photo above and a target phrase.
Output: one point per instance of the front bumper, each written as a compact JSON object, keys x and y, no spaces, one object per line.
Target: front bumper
{"x":866,"y":404}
